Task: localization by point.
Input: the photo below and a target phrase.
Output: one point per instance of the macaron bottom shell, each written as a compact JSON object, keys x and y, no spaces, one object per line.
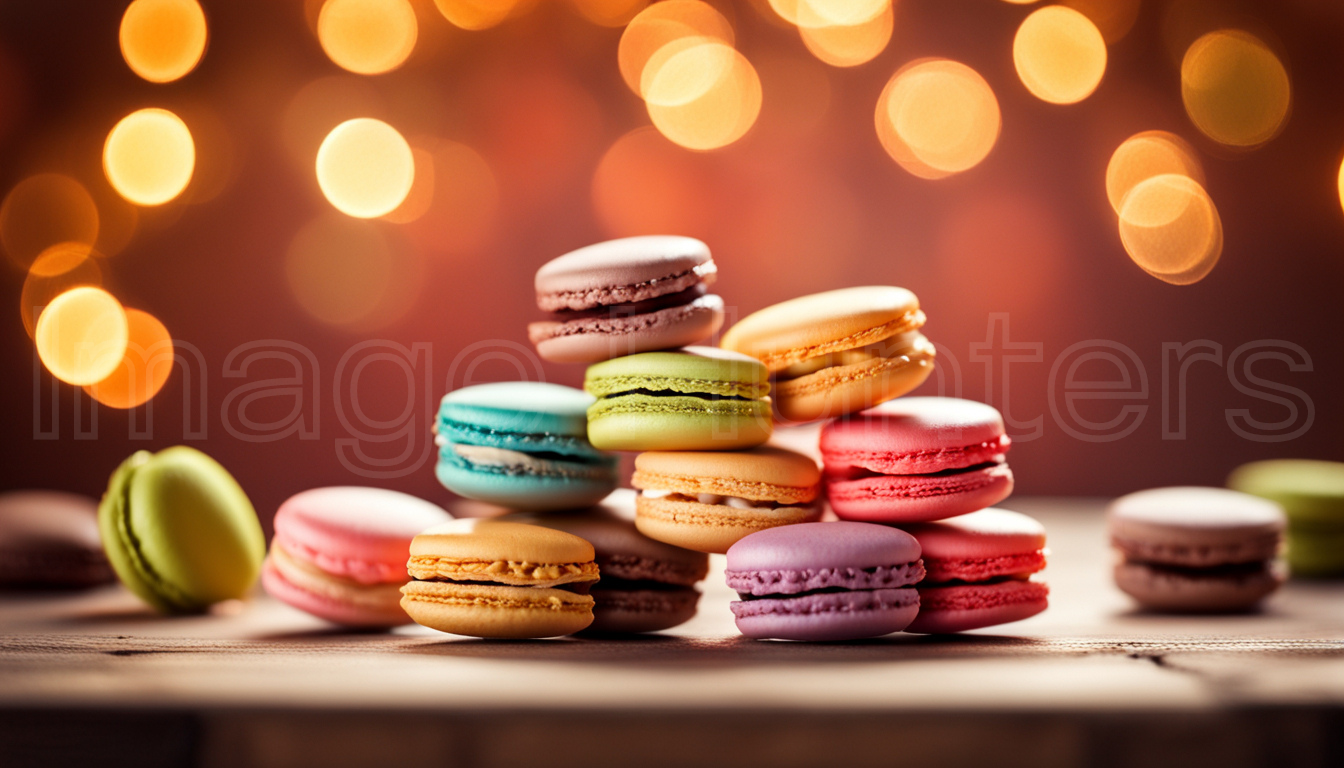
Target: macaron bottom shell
{"x":335,"y":599}
{"x":838,"y":390}
{"x":827,"y":616}
{"x":594,"y":339}
{"x":1315,"y":553}
{"x":712,"y":527}
{"x":1214,"y":590}
{"x":640,"y":422}
{"x":963,"y":607}
{"x":519,"y":489}
{"x":919,"y":498}
{"x":626,"y":610}
{"x":498,"y":612}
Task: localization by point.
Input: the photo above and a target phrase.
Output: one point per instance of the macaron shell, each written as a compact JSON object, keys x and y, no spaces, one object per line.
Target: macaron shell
{"x":333,"y":599}
{"x":628,"y":611}
{"x":490,"y":540}
{"x":1173,"y":591}
{"x":594,"y":339}
{"x":764,"y":473}
{"x":526,"y":407}
{"x":622,"y":271}
{"x":711,"y":527}
{"x":50,"y":539}
{"x":521,"y":489}
{"x":841,"y":390}
{"x":915,"y":435}
{"x":965,"y":607}
{"x":981,"y":545}
{"x":1195,"y":526}
{"x":478,"y":610}
{"x":817,"y":546}
{"x":1315,"y":553}
{"x":638,"y":422}
{"x":359,"y":533}
{"x":1310,"y":492}
{"x":813,"y":325}
{"x":828,"y":616}
{"x":918,"y":498}
{"x":690,"y":371}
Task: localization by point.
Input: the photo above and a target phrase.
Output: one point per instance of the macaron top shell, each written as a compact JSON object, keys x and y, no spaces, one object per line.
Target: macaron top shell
{"x":691,"y":370}
{"x":764,"y":473}
{"x":1206,"y":510}
{"x":986,"y":534}
{"x":916,"y":435}
{"x":816,"y":546}
{"x":38,"y":522}
{"x":622,"y":271}
{"x":519,"y":406}
{"x":359,"y":533}
{"x":489,"y":540}
{"x":180,"y":531}
{"x":1310,"y":491}
{"x":808,"y":326}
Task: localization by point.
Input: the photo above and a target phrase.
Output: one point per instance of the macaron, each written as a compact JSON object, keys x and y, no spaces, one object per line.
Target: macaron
{"x":646,"y":585}
{"x":916,"y":459}
{"x":521,"y":444}
{"x":1312,"y":495}
{"x":838,"y":352}
{"x":693,"y":399}
{"x":179,"y":530}
{"x":708,"y":500}
{"x":1196,"y":550}
{"x":824,"y":581}
{"x":49,"y":539}
{"x":626,"y":296}
{"x":499,"y":579}
{"x":979,"y":571}
{"x":340,"y":553}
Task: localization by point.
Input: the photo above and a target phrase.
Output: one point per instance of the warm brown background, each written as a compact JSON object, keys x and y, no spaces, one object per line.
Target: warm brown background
{"x":807,"y":201}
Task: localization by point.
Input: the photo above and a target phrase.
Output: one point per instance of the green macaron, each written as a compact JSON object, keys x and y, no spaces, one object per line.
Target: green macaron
{"x":692,"y":399}
{"x":179,"y":530}
{"x":1312,"y":495}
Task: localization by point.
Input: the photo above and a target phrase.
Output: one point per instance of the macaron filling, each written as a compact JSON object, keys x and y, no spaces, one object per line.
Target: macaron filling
{"x":715,"y":499}
{"x":611,"y":296}
{"x":503,"y":461}
{"x":899,"y":346}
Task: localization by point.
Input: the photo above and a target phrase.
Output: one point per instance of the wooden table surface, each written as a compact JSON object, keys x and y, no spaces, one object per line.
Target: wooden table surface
{"x":96,"y":678}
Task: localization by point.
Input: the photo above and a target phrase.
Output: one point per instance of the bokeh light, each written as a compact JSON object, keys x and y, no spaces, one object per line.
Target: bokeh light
{"x":55,"y":271}
{"x":45,"y":210}
{"x":322,"y":103}
{"x":1114,"y":18}
{"x":367,"y":37}
{"x":845,"y":45}
{"x":609,"y":13}
{"x":346,"y":273}
{"x":1059,"y":54}
{"x":1341,"y":184}
{"x":365,"y":168}
{"x":476,"y":14}
{"x":421,"y":195}
{"x":1145,"y":155}
{"x":660,"y":24}
{"x":937,"y":117}
{"x":149,"y":156}
{"x":82,"y":335}
{"x":163,"y":40}
{"x":703,"y":96}
{"x":143,"y":370}
{"x":1235,"y":89}
{"x":1171,"y":228}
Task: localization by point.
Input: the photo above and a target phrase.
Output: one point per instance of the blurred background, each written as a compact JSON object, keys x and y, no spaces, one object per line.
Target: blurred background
{"x":783,"y":141}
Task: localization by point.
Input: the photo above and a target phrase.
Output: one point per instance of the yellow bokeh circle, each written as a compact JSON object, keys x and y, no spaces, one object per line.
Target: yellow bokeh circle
{"x":663,"y":23}
{"x":1171,"y":228}
{"x":143,"y":370}
{"x":1145,"y":155}
{"x":1059,"y":55}
{"x":82,"y":335}
{"x":163,"y":40}
{"x":937,"y":117}
{"x":703,"y":94}
{"x":149,"y":156}
{"x":848,"y":45}
{"x":365,"y":168}
{"x":367,"y":37}
{"x":1235,"y":89}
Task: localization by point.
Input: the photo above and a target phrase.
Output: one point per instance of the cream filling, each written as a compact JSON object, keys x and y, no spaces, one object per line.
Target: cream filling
{"x":306,"y":576}
{"x":892,"y":346}
{"x":486,"y":456}
{"x":736,"y":502}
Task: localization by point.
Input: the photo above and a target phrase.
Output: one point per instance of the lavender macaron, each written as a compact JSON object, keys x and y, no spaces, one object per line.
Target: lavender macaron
{"x":825,"y":581}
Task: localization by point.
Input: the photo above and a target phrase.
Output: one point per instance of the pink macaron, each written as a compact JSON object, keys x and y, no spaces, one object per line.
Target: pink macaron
{"x":916,"y":459}
{"x":979,"y":571}
{"x":340,"y":553}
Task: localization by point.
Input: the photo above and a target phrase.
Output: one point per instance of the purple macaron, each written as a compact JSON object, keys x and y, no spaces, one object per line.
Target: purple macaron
{"x":825,"y":581}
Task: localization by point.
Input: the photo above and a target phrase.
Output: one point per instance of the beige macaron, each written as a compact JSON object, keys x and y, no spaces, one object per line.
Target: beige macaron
{"x":838,"y":352}
{"x":488,"y":578}
{"x":706,"y":501}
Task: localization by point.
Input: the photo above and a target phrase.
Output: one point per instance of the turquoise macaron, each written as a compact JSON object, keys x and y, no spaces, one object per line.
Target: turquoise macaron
{"x":179,"y":530}
{"x":521,"y":444}
{"x":691,"y":399}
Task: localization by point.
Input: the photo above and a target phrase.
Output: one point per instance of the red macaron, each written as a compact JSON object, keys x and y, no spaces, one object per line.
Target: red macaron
{"x":916,"y":459}
{"x":979,"y":571}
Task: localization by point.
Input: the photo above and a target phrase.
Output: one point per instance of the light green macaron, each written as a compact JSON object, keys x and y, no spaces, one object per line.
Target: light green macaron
{"x":179,"y":530}
{"x":692,"y":399}
{"x":1312,"y":495}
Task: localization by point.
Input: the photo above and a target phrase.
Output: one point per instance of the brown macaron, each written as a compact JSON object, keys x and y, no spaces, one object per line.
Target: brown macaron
{"x":49,"y":539}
